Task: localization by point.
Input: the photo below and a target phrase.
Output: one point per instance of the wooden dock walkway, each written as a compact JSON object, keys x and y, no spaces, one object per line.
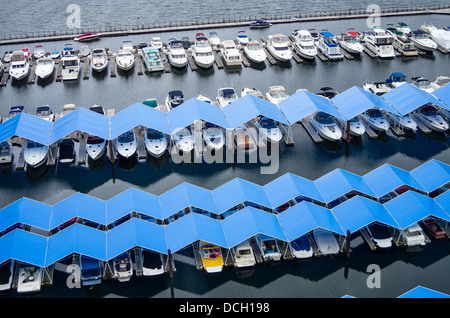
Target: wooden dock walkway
{"x":296,"y":57}
{"x":82,"y":149}
{"x":369,"y":52}
{"x":166,"y":62}
{"x":256,"y":251}
{"x":112,"y":66}
{"x":218,"y":60}
{"x":86,"y":68}
{"x":32,"y":77}
{"x":365,"y":235}
{"x":191,"y":60}
{"x":245,"y":61}
{"x":138,"y":61}
{"x":58,"y":77}
{"x":346,"y":54}
{"x":311,"y":131}
{"x":321,"y":56}
{"x":5,"y":76}
{"x":141,"y":151}
{"x":313,"y":245}
{"x":421,"y":126}
{"x":369,"y":130}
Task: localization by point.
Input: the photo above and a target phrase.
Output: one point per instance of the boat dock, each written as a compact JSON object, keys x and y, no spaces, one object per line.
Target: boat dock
{"x":86,"y":67}
{"x":346,"y":54}
{"x":311,"y":131}
{"x":270,"y":57}
{"x":420,"y":125}
{"x":369,"y":131}
{"x":218,"y":60}
{"x":191,"y":61}
{"x":5,"y":75}
{"x":32,"y":76}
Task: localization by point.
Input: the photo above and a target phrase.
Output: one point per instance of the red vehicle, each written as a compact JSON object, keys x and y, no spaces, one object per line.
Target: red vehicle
{"x":433,"y":228}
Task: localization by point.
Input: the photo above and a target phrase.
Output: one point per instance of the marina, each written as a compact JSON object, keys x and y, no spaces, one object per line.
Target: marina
{"x":115,"y":182}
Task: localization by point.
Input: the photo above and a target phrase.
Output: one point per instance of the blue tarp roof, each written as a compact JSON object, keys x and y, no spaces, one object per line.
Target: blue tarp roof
{"x":358,"y":212}
{"x":387,"y":178}
{"x":432,"y":174}
{"x":290,"y":186}
{"x":443,"y":93}
{"x":248,"y":107}
{"x":138,"y":114}
{"x":411,"y":207}
{"x":304,"y":217}
{"x":26,"y":126}
{"x":23,"y":246}
{"x":423,"y":292}
{"x":339,"y":182}
{"x":406,"y":98}
{"x":193,"y":110}
{"x":327,"y":34}
{"x":26,"y":211}
{"x":249,"y":222}
{"x":80,"y":119}
{"x":238,"y":191}
{"x":356,"y":100}
{"x":302,"y":104}
{"x":444,"y":201}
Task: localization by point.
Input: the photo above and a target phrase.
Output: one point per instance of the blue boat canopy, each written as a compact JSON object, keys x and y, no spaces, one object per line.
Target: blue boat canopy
{"x":26,"y":211}
{"x":24,"y":247}
{"x":444,"y":201}
{"x":327,"y":34}
{"x":26,"y":126}
{"x":432,"y":174}
{"x":443,"y":93}
{"x":423,"y":292}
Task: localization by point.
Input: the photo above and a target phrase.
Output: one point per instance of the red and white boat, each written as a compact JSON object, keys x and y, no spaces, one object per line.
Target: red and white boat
{"x":87,"y":37}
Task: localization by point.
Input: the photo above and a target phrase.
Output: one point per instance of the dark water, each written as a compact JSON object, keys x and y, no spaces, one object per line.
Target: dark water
{"x":321,"y":277}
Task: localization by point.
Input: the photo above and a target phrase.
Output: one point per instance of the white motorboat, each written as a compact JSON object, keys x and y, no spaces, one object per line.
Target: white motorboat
{"x":226,"y":96}
{"x":376,"y":120}
{"x":442,"y":38}
{"x":350,"y":41}
{"x":55,"y":54}
{"x":183,"y":139}
{"x":230,"y":54}
{"x":176,"y":55}
{"x":90,"y":271}
{"x":213,"y":136}
{"x":251,"y":91}
{"x":155,"y":142}
{"x":326,"y":242}
{"x":95,"y":146}
{"x":276,"y":94}
{"x":15,"y":110}
{"x":6,"y":154}
{"x":20,"y":67}
{"x":414,"y":236}
{"x":244,"y":256}
{"x":30,"y":279}
{"x":123,"y":267}
{"x":128,"y":45}
{"x":357,"y":128}
{"x":440,"y":81}
{"x":423,"y":83}
{"x":99,"y":60}
{"x":6,"y":276}
{"x":268,"y":129}
{"x":242,"y":38}
{"x":45,"y":113}
{"x":328,"y":92}
{"x":35,"y":154}
{"x":70,"y":64}
{"x":269,"y":247}
{"x":377,"y":88}
{"x":152,"y":263}
{"x":202,"y":52}
{"x":45,"y":67}
{"x":403,"y":28}
{"x":39,"y":52}
{"x":396,"y":79}
{"x":255,"y":52}
{"x":430,"y":117}
{"x":126,"y":144}
{"x":404,"y":122}
{"x":174,"y":99}
{"x":379,"y":42}
{"x":328,"y":46}
{"x":427,"y":27}
{"x":304,"y":44}
{"x":244,"y":139}
{"x":211,"y":256}
{"x":214,"y":39}
{"x":301,"y":247}
{"x":204,"y":98}
{"x":325,"y":126}
{"x":85,"y":51}
{"x":403,"y":44}
{"x":125,"y":59}
{"x":422,"y":41}
{"x":379,"y":235}
{"x":278,"y":46}
{"x":156,"y":42}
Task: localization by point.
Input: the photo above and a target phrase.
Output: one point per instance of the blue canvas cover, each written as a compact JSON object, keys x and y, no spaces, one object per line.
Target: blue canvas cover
{"x":432,"y":174}
{"x":23,"y":246}
{"x":26,"y":126}
{"x":423,"y":292}
{"x":26,"y":211}
{"x":443,"y":94}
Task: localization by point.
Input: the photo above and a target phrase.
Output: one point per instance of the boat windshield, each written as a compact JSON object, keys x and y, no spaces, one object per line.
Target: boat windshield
{"x":254,"y":47}
{"x":429,"y":111}
{"x":93,"y":140}
{"x":245,"y":252}
{"x":374,"y":113}
{"x":324,"y":118}
{"x":279,"y":39}
{"x":45,"y":62}
{"x":154,"y":134}
{"x":126,"y":137}
{"x":354,"y":120}
{"x":267,"y":123}
{"x":279,"y":95}
{"x":32,"y":145}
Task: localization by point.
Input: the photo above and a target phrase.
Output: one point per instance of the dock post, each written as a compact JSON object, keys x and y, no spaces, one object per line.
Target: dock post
{"x":169,"y":253}
{"x":347,"y":244}
{"x":348,"y":131}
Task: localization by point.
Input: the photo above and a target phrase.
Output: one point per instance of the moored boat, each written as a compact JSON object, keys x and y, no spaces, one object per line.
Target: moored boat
{"x":86,"y":37}
{"x":99,"y":59}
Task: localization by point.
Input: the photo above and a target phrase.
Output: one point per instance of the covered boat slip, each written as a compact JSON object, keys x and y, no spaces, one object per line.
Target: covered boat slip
{"x":39,"y":234}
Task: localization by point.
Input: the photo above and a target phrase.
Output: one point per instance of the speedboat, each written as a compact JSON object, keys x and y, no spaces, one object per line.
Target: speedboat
{"x":423,"y":83}
{"x":99,"y":60}
{"x":15,"y":110}
{"x":327,"y":92}
{"x":328,"y":46}
{"x":152,"y":59}
{"x":186,"y":42}
{"x":35,"y":154}
{"x":433,"y":228}
{"x":128,"y":45}
{"x":258,"y":24}
{"x":126,"y":144}
{"x":87,"y":37}
{"x":226,"y":96}
{"x":422,"y":41}
{"x":156,"y":42}
{"x":430,"y":117}
{"x":276,"y":94}
{"x":356,"y":126}
{"x":403,"y":27}
{"x":314,"y":34}
{"x":30,"y":279}
{"x":377,"y":88}
{"x":174,"y":99}
{"x":242,"y":37}
{"x":211,"y":257}
{"x":85,"y":51}
{"x":45,"y":67}
{"x":204,"y":98}
{"x":251,"y":91}
{"x":151,"y":102}
{"x":379,"y":42}
{"x":376,"y":120}
{"x":278,"y":46}
{"x":66,"y":151}
{"x":350,"y":42}
{"x":96,"y":146}
{"x":125,"y":59}
{"x":214,"y":38}
{"x":440,"y":81}
{"x":413,"y":236}
{"x":45,"y":113}
{"x":6,"y":154}
{"x":396,"y":79}
{"x":442,"y":38}
{"x":90,"y":271}
{"x":7,"y":57}
{"x":39,"y":52}
{"x":269,"y":247}
{"x":123,"y":267}
{"x":324,"y":124}
{"x":155,"y":142}
{"x":380,"y":235}
{"x":177,"y":56}
{"x":70,"y":64}
{"x":55,"y":54}
{"x":183,"y":139}
{"x":427,"y":27}
{"x":404,"y":122}
{"x":301,"y":247}
{"x":6,"y":276}
{"x":304,"y":44}
{"x":230,"y":54}
{"x":213,"y":136}
{"x":244,"y":139}
{"x":202,"y":52}
{"x":255,"y":52}
{"x":326,"y":242}
{"x":152,"y":263}
{"x":244,"y":256}
{"x":67,"y":108}
{"x":268,"y":129}
{"x":19,"y":66}
{"x":403,"y":44}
